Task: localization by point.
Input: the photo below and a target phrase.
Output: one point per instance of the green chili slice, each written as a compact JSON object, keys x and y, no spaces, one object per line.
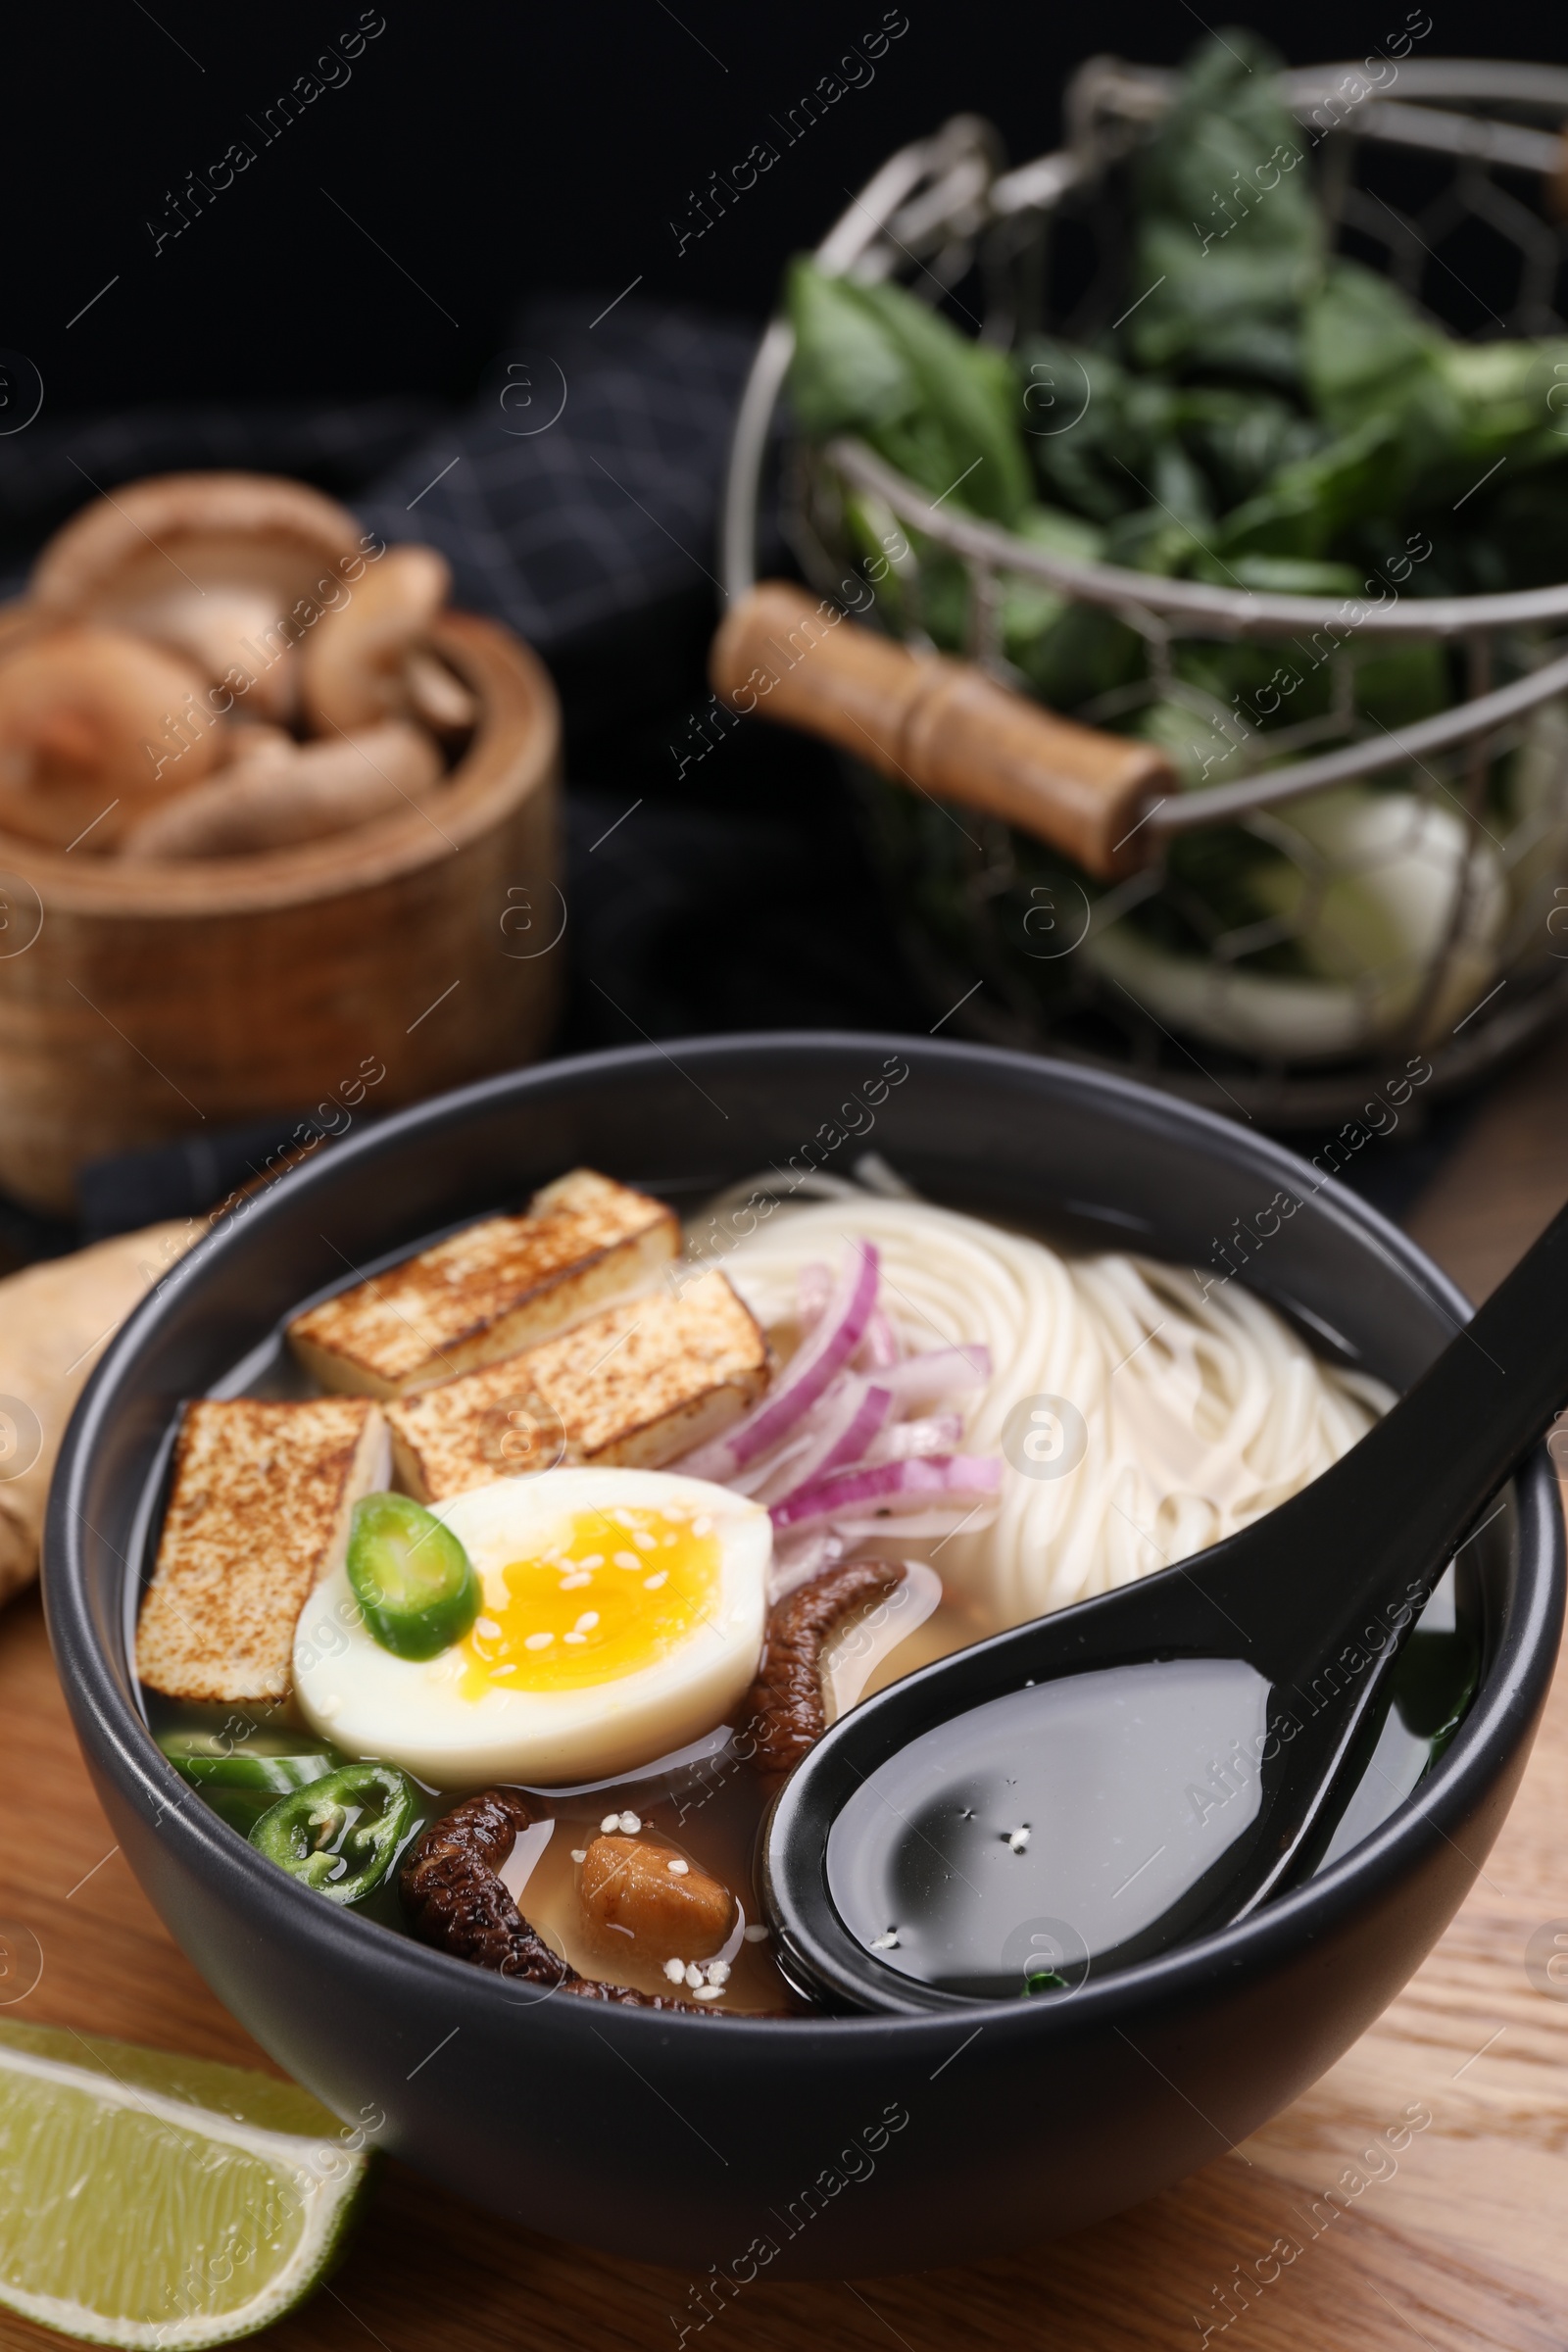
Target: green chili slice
{"x":241,"y":1783}
{"x":410,"y":1576}
{"x":198,"y":1759}
{"x":342,"y":1834}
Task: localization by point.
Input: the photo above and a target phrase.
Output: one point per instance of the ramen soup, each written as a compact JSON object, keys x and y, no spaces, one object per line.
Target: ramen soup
{"x":504,"y":1599}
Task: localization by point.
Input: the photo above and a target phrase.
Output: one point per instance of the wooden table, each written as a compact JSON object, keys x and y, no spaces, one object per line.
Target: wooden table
{"x":1462,"y":2247}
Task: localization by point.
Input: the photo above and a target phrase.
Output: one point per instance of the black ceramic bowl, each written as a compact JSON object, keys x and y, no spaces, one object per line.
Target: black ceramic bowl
{"x":839,"y":2145}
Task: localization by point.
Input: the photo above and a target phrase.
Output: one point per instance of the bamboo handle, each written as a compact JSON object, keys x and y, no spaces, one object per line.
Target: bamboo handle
{"x":940,"y":727}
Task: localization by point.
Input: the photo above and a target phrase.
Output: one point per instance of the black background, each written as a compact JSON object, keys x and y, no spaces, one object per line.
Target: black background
{"x":489,"y":150}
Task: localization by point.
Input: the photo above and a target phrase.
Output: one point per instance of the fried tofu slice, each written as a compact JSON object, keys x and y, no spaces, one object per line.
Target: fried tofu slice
{"x":639,"y":1385}
{"x":259,"y":1513}
{"x":489,"y":1290}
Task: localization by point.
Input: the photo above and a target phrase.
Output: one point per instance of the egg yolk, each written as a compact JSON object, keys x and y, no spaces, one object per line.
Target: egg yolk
{"x":620,"y":1591}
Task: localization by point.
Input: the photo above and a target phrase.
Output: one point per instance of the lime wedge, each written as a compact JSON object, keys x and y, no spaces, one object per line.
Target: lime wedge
{"x":151,"y":2200}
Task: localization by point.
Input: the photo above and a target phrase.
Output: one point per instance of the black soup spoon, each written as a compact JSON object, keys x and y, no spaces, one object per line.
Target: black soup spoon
{"x":1047,"y":1804}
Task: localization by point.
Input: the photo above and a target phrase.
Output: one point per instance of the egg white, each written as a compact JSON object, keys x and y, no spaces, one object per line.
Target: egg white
{"x":409,"y":1711}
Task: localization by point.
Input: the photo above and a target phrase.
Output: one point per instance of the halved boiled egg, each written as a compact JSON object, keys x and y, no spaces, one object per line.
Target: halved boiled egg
{"x":623,"y":1618}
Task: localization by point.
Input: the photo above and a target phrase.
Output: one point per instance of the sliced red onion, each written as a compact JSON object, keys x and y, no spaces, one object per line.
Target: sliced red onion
{"x":814,"y":1287}
{"x":911,"y":1486}
{"x":785,"y":1465}
{"x":942,"y":1433}
{"x":874,"y":1405}
{"x":860,"y":1410}
{"x":879,"y":1350}
{"x":778,"y":1460}
{"x":941,"y":1373}
{"x":845,"y":1427}
{"x":828,"y":1349}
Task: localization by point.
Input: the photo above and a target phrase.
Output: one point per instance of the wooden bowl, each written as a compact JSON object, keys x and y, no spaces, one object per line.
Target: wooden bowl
{"x":142,"y":1002}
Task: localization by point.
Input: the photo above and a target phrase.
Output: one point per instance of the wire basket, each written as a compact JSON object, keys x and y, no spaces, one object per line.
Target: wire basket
{"x":993,"y":919}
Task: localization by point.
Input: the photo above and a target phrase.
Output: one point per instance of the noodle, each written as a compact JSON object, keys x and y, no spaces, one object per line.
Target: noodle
{"x":1200,"y":1413}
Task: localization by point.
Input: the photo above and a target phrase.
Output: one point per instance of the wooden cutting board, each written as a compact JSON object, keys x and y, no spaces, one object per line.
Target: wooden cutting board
{"x":1458,"y":2242}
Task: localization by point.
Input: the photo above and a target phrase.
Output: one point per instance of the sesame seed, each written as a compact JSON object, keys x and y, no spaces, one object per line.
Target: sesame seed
{"x":702,"y":1526}
{"x":631,"y":1822}
{"x":488,"y":1627}
{"x":675,"y":1970}
{"x":612,"y":1821}
{"x":886,"y":1944}
{"x":677,"y":1867}
{"x":756,"y":1933}
{"x":627,"y":1559}
{"x":652,"y":1583}
{"x":666,"y":1540}
{"x":1017,"y":1839}
{"x":708,"y":1992}
{"x":538,"y":1640}
{"x":573,"y":1584}
{"x":592,"y":1559}
{"x":579,"y":1853}
{"x":623,"y":1519}
{"x":579,"y":1637}
{"x":719,"y":1971}
{"x":586,"y":1622}
{"x":644,"y":1541}
{"x":693,"y":1974}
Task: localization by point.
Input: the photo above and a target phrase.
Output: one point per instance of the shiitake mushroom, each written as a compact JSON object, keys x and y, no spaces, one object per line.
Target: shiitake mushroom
{"x":81,"y":712}
{"x":201,"y":624}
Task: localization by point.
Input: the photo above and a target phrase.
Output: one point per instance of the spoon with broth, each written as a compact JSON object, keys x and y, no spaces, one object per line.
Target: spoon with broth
{"x":1046,"y":1806}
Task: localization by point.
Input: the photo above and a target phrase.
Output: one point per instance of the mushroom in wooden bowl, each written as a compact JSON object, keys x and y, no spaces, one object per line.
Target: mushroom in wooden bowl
{"x":271,"y":816}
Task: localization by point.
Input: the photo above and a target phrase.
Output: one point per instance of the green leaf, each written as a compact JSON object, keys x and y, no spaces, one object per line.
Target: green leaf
{"x":1028,"y":605}
{"x":1280,"y":575}
{"x":1228,"y":238}
{"x":1083,"y":652}
{"x":1307,"y":505}
{"x":1365,"y":351}
{"x":1204,"y":750}
{"x":1062,"y":534}
{"x":1076,"y":425}
{"x":946,"y":598}
{"x":946,"y":411}
{"x":848,"y":374}
{"x":1512,"y":400}
{"x":1242,"y":439}
{"x":968,"y":391}
{"x":1460,"y":409}
{"x":1152,"y":540}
